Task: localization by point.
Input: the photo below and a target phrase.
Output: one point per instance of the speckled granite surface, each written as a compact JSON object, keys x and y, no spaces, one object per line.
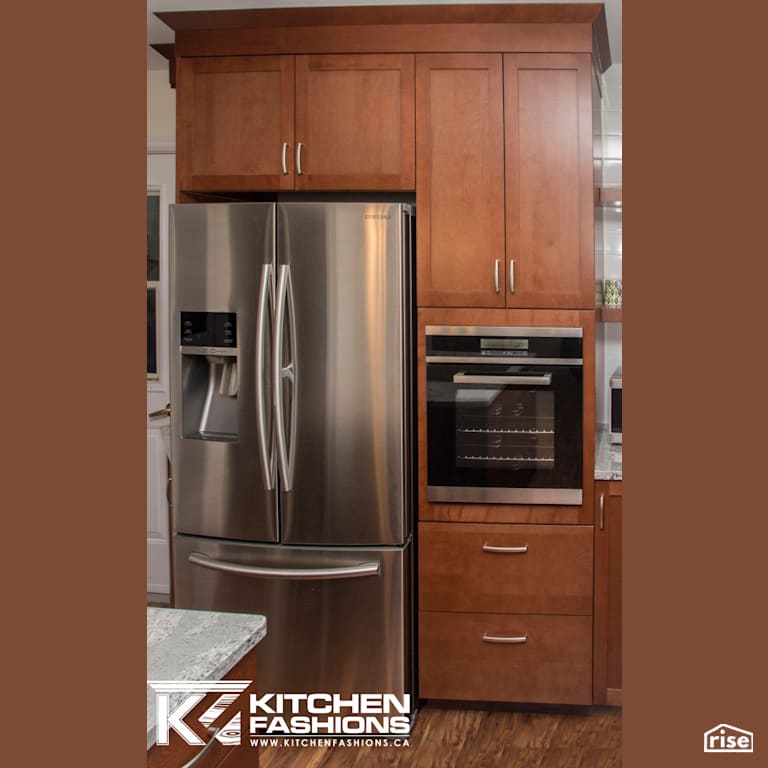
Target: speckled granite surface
{"x":195,"y":645}
{"x":607,"y":457}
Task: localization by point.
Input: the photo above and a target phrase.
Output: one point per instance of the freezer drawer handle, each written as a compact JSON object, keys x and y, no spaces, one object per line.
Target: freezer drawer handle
{"x":464,"y":378}
{"x":509,"y":550}
{"x":496,"y":639}
{"x":340,"y":572}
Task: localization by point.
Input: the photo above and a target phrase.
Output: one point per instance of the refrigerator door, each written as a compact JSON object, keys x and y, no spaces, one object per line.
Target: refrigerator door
{"x":222,"y":259}
{"x":337,"y":618}
{"x":342,"y":323}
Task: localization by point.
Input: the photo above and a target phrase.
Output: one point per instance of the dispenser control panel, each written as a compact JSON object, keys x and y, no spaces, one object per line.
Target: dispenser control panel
{"x":208,"y":329}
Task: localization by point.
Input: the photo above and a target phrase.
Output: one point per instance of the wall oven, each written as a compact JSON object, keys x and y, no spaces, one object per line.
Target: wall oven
{"x":504,"y":414}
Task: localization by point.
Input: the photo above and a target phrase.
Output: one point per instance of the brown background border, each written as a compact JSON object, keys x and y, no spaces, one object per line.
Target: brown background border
{"x":74,"y":395}
{"x":695,"y":519}
{"x":73,"y":492}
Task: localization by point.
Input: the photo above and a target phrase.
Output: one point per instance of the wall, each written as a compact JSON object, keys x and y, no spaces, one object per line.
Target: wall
{"x":609,"y":250}
{"x":161,"y":108}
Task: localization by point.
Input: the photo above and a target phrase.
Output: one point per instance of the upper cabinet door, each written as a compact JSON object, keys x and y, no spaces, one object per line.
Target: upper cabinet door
{"x":355,"y":122}
{"x":235,"y":123}
{"x":460,"y":170}
{"x":549,"y":186}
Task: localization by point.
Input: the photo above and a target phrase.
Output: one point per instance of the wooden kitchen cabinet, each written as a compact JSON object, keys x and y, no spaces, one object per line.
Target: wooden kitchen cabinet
{"x":549,"y":180}
{"x":261,"y":123}
{"x":505,"y":193}
{"x":355,"y":121}
{"x":460,"y":168}
{"x":607,"y":610}
{"x":234,"y":116}
{"x":505,"y":612}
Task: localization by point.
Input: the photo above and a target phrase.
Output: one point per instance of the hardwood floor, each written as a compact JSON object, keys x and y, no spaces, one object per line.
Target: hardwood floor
{"x":483,"y":736}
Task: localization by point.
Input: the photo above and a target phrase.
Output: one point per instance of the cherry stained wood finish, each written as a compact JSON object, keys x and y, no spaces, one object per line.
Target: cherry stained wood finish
{"x":553,"y":576}
{"x":355,"y":119}
{"x":554,"y":665}
{"x":607,"y":611}
{"x":178,"y":752}
{"x":480,"y":736}
{"x":467,"y":28}
{"x":509,"y":513}
{"x":549,"y":179}
{"x":233,"y":115}
{"x":460,"y":171}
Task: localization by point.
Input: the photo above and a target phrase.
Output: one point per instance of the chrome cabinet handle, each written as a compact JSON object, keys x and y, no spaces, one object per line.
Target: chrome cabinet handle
{"x":285,"y":451}
{"x":199,"y":756}
{"x":285,"y":151}
{"x":496,"y":639}
{"x":496,"y":266}
{"x":463,"y":378}
{"x":507,"y":550}
{"x":602,"y":511}
{"x":337,"y":572}
{"x":298,"y":158}
{"x":266,"y":301}
{"x":511,"y":276}
{"x":166,"y":411}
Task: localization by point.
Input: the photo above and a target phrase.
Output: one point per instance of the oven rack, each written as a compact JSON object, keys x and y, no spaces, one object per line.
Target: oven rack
{"x":507,"y":431}
{"x":506,"y":458}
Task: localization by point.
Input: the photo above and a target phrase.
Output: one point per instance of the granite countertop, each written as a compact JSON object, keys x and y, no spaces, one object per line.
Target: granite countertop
{"x":195,"y":645}
{"x":607,"y":457}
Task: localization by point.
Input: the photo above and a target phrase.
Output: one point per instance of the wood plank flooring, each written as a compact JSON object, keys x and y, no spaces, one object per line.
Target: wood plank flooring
{"x":480,"y":736}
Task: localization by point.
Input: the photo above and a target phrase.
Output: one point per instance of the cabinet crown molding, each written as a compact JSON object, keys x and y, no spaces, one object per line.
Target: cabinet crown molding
{"x":538,"y":27}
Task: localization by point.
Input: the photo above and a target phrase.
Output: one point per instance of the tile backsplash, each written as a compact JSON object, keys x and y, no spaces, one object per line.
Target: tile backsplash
{"x":608,"y":245}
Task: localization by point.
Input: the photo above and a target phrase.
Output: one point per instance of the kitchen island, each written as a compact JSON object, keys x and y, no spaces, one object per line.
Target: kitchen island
{"x":196,"y":645}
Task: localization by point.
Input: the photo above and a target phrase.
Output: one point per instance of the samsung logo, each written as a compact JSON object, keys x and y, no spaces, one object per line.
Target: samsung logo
{"x":378,"y":216}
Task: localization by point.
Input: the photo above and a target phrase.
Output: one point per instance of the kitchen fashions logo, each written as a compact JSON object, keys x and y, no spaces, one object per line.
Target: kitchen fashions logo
{"x":197,"y":689}
{"x":728,"y":738}
{"x":280,"y":714}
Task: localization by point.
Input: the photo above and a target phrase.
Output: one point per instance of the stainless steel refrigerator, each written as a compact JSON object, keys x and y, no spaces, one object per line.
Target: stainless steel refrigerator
{"x":292,"y":425}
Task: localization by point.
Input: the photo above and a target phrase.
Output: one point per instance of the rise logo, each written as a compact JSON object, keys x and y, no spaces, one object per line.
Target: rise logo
{"x":728,"y":738}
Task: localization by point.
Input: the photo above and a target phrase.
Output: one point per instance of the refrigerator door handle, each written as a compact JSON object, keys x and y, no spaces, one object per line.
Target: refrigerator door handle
{"x":285,"y":449}
{"x":266,"y":302}
{"x":339,"y":572}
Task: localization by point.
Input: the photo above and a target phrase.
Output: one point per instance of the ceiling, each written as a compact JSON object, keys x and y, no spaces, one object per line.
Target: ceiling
{"x":157,"y":32}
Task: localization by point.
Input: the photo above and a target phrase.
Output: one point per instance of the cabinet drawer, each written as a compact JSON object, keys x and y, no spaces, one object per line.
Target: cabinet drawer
{"x":539,"y":568}
{"x":553,"y":665}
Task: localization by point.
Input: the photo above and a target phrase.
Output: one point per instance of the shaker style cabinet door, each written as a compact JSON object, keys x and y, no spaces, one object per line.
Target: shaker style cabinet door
{"x":460,"y":168}
{"x":235,"y":123}
{"x":607,"y":611}
{"x":354,"y":122}
{"x":549,"y":180}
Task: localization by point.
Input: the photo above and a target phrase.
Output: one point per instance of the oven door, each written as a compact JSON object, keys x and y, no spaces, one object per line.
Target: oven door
{"x":504,"y":433}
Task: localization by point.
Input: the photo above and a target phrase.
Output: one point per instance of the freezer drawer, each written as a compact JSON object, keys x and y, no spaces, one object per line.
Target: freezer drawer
{"x":346,"y":630}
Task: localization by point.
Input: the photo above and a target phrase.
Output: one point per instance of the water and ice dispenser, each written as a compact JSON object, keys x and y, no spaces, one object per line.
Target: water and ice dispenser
{"x":209,"y":375}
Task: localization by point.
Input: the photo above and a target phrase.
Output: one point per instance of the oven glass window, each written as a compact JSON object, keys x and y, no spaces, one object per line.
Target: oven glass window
{"x":505,"y":429}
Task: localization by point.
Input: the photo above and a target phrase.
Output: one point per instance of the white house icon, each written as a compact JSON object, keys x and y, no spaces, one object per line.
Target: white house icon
{"x":728,"y":738}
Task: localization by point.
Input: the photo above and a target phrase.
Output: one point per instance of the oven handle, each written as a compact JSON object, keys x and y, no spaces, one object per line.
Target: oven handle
{"x":544,"y":379}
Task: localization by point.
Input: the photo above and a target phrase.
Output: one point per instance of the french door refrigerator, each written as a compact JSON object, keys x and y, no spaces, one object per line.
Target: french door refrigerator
{"x":292,"y":428}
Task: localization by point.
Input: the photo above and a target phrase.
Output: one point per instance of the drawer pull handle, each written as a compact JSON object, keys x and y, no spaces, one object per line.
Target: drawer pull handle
{"x":508,"y":550}
{"x":496,"y":639}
